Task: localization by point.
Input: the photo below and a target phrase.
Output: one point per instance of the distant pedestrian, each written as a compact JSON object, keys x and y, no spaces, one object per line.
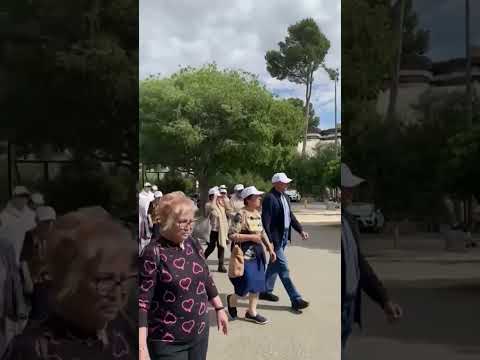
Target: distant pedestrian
{"x":247,"y":232}
{"x":16,"y":219}
{"x":236,"y":199}
{"x":153,"y":217}
{"x":144,"y":199}
{"x":278,"y":221}
{"x":357,"y":274}
{"x":227,"y":204}
{"x":216,"y":213}
{"x":36,"y":200}
{"x":34,"y":258}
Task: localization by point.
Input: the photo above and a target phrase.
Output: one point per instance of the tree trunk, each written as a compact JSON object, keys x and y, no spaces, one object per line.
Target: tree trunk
{"x":336,"y":137}
{"x":308,"y":93}
{"x":203,"y":192}
{"x":396,"y":68}
{"x":468,"y":72}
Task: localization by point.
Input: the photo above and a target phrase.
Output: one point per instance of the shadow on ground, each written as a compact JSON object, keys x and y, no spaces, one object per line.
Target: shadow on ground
{"x":443,"y":312}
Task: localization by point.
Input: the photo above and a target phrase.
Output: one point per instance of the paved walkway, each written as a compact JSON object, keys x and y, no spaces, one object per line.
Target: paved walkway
{"x":440,"y":294}
{"x":313,"y":335}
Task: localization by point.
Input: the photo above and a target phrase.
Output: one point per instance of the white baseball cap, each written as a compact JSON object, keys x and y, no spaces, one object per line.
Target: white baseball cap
{"x":154,"y":188}
{"x":157,"y":194}
{"x":281,"y":178}
{"x":46,"y":213}
{"x":223,"y":191}
{"x":38,"y":199}
{"x":239,"y":187}
{"x":223,"y":187}
{"x":213,"y":191}
{"x":147,"y":184}
{"x":21,"y":191}
{"x":348,"y":179}
{"x":251,"y":190}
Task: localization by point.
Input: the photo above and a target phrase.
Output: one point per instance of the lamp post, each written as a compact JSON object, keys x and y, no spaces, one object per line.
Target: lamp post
{"x":336,"y":125}
{"x":468,"y":98}
{"x":468,"y":71}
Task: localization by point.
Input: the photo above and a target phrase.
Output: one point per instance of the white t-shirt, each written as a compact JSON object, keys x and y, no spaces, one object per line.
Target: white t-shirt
{"x":286,"y":211}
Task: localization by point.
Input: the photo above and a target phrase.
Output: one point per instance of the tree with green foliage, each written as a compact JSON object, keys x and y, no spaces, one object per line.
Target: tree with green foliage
{"x":208,"y":121}
{"x":314,"y":174}
{"x":299,"y":57}
{"x":314,"y":120}
{"x":58,"y":48}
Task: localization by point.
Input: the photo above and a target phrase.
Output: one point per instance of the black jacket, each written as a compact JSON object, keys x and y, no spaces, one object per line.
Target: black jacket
{"x":273,"y":218}
{"x":369,"y":281}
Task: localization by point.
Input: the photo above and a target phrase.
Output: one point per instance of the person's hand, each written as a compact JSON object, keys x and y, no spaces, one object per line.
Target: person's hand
{"x":393,"y":311}
{"x":273,"y":256}
{"x":222,"y":321}
{"x":305,"y":235}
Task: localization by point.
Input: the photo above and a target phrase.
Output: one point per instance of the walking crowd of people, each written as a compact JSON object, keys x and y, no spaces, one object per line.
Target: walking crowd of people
{"x":67,"y":283}
{"x":175,"y":283}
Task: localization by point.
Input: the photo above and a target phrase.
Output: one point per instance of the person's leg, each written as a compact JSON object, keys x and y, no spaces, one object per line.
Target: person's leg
{"x":252,"y":304}
{"x":200,"y":349}
{"x":284,"y":274}
{"x":221,"y":258}
{"x":212,"y":243}
{"x":232,"y":300}
{"x":271,"y":276}
{"x":168,"y":352}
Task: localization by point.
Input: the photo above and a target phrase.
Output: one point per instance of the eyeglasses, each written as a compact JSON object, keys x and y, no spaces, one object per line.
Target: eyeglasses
{"x":107,"y":285}
{"x":185,"y":224}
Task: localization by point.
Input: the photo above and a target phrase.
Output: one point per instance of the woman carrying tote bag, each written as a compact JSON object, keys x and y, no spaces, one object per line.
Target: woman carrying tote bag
{"x":250,"y":240}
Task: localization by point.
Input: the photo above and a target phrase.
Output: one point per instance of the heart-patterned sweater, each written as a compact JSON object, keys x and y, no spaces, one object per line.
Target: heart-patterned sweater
{"x":175,"y":288}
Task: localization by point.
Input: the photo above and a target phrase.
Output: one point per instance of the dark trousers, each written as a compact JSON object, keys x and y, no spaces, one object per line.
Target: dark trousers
{"x":195,"y":351}
{"x":211,"y":246}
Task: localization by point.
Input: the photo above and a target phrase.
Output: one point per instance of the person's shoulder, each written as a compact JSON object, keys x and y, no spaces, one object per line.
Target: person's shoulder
{"x":268,"y":196}
{"x":150,"y":251}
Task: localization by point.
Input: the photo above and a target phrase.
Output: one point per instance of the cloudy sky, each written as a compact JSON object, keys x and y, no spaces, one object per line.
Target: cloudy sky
{"x":236,"y":34}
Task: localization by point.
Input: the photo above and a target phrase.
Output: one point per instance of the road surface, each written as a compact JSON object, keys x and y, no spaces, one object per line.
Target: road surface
{"x":312,"y":335}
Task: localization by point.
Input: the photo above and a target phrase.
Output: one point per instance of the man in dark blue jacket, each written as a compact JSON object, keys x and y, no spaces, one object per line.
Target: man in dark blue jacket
{"x":357,"y":275}
{"x":278,"y":220}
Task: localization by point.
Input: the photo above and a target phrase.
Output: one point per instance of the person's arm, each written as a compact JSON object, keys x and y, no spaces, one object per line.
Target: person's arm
{"x":28,"y":247}
{"x":148,"y":268}
{"x":295,"y":223}
{"x":370,"y":283}
{"x":213,"y":295}
{"x":267,"y":212}
{"x":267,"y":243}
{"x":229,"y":211}
{"x":235,"y":229}
{"x":149,"y":214}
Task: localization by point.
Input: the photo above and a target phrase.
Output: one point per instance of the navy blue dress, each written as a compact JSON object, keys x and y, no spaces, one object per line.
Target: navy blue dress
{"x":253,"y":279}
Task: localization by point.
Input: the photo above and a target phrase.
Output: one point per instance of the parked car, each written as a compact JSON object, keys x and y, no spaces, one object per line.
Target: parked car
{"x":294,"y":195}
{"x":368,"y":217}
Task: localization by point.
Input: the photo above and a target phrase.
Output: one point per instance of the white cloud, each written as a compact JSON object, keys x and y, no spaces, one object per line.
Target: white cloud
{"x":235,"y":34}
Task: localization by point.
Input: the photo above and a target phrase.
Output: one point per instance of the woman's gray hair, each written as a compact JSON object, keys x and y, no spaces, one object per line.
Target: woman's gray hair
{"x":172,"y":206}
{"x":79,"y":243}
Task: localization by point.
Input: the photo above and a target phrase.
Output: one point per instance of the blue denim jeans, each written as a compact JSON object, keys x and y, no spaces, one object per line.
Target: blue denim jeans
{"x":348,"y":311}
{"x":280,"y":268}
